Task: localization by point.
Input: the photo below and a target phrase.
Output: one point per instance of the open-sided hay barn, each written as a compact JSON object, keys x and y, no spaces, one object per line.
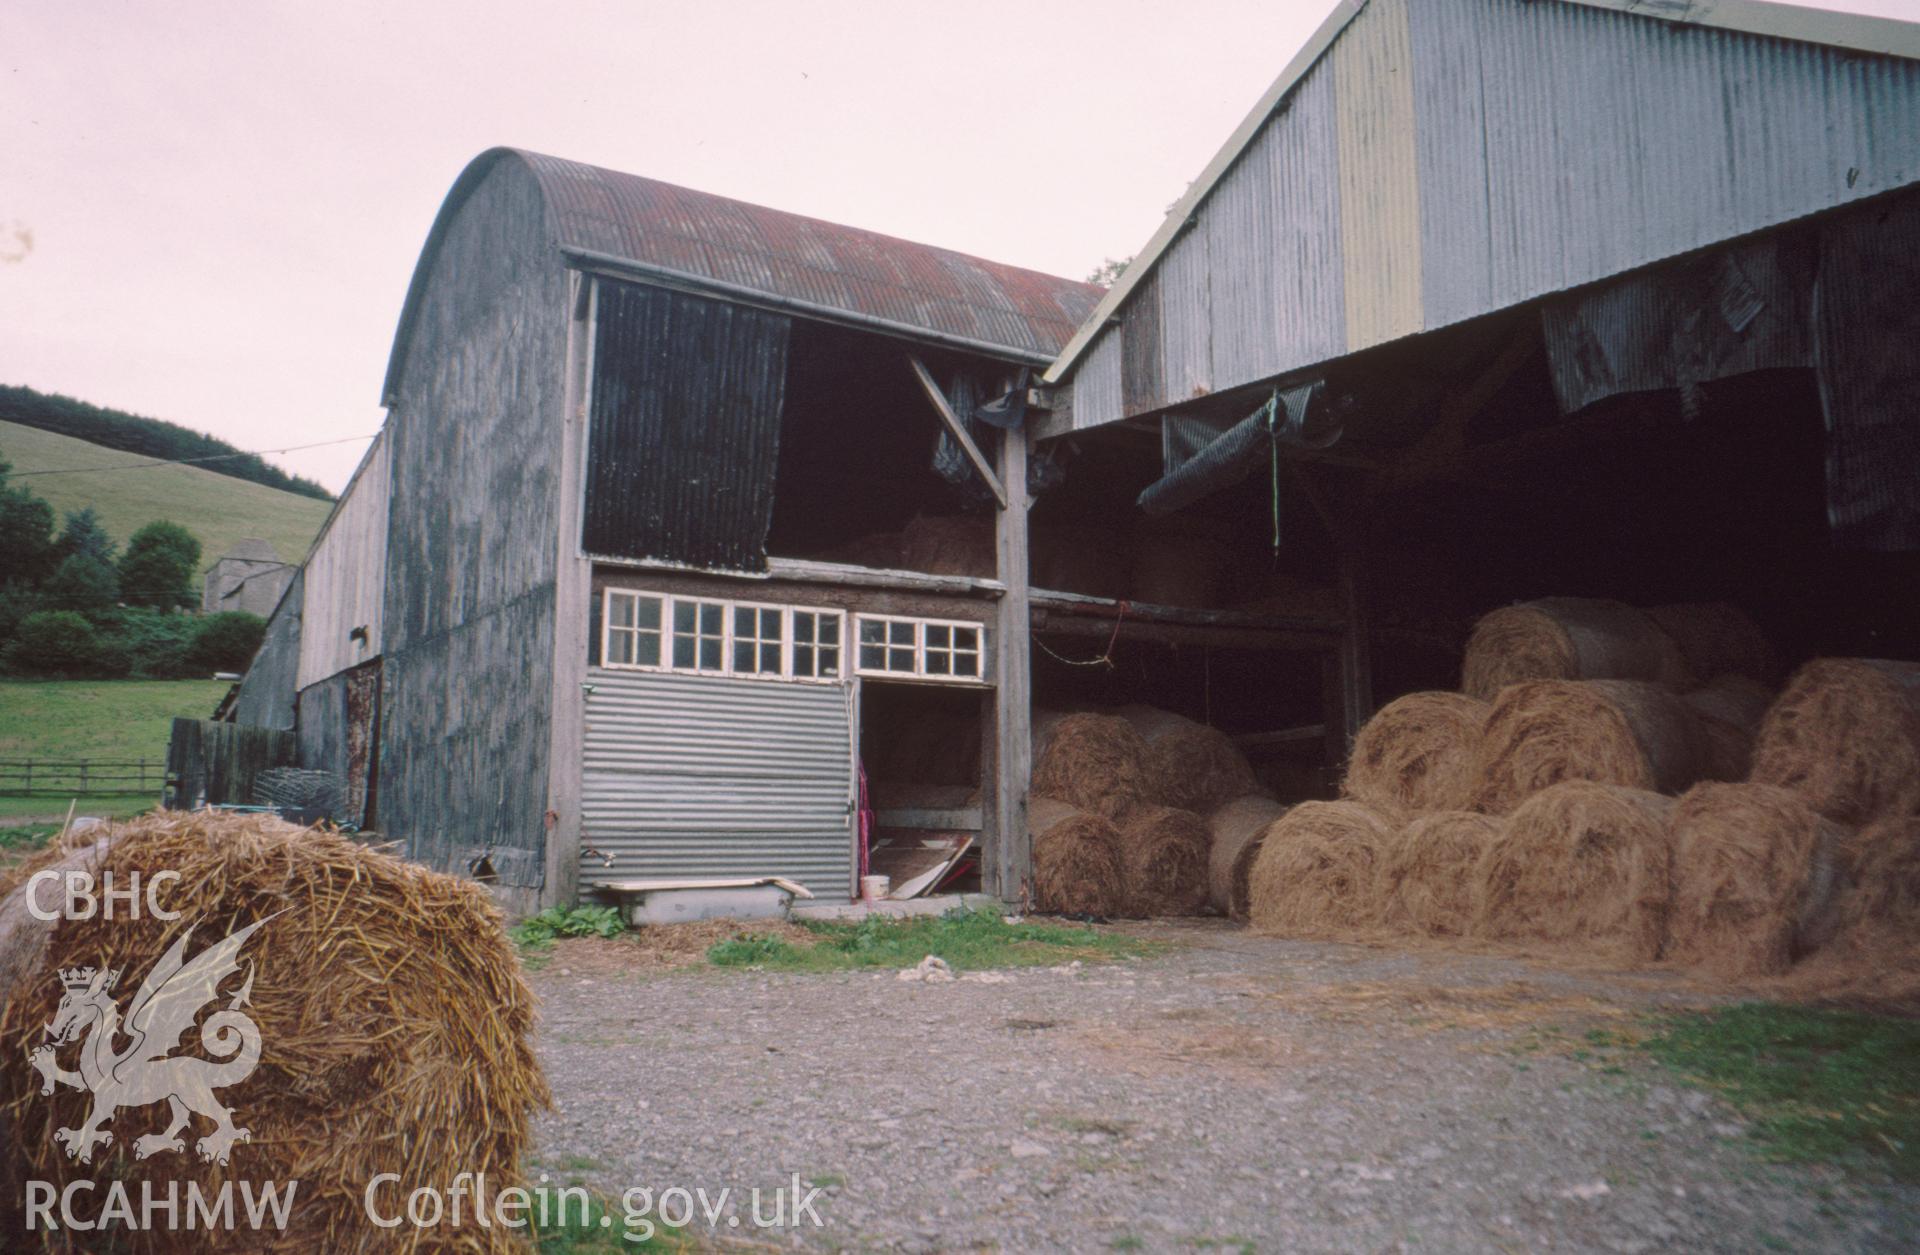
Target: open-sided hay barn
{"x":686,"y":509}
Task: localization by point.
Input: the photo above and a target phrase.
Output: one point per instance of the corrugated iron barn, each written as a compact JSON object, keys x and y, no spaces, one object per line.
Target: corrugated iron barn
{"x":687,"y":511}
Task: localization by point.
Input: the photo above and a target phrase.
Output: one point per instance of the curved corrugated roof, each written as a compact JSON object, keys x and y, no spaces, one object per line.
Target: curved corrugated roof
{"x":614,"y":219}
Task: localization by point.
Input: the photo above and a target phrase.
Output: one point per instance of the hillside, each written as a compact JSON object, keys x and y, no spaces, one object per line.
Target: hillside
{"x":148,"y":437}
{"x":219,"y":509}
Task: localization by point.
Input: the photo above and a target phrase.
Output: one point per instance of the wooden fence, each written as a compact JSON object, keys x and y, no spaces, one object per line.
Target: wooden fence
{"x":217,"y":762}
{"x":81,"y":777}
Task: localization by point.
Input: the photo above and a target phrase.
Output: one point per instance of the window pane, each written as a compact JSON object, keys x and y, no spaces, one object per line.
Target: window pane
{"x":966,"y":638}
{"x":683,"y":652}
{"x":647,"y":652}
{"x":829,"y":661}
{"x":873,"y":658}
{"x":937,"y":664}
{"x":684,"y":613}
{"x":619,"y":648}
{"x":803,"y":660}
{"x":900,"y":633}
{"x":742,"y":621}
{"x":829,"y":629}
{"x":966,"y":664}
{"x":620,"y":610}
{"x":770,"y":658}
{"x":709,"y":653}
{"x":803,"y":628}
{"x":900,"y":660}
{"x":769,"y":625}
{"x":743,"y":656}
{"x":872,"y":633}
{"x":712,"y":619}
{"x":649,"y":612}
{"x":938,"y":634}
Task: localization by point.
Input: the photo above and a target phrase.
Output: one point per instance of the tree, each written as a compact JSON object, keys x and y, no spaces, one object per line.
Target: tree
{"x":83,"y":583}
{"x":26,"y":532}
{"x":54,"y":642}
{"x":1108,"y":272}
{"x":84,"y":534}
{"x":226,"y":642}
{"x":160,"y":567}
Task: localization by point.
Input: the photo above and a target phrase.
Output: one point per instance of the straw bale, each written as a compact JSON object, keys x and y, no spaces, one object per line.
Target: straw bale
{"x":1076,"y":861}
{"x":1729,"y":710}
{"x":1568,"y":638}
{"x":1163,"y":857}
{"x":949,"y":544}
{"x":1096,"y":762}
{"x":1418,"y":752}
{"x":1753,"y":878}
{"x":1188,"y":764}
{"x":1715,"y":638}
{"x":1580,"y":863}
{"x":394,"y":1027}
{"x":1845,"y":735}
{"x":1625,"y":732}
{"x":1427,"y":880}
{"x":1317,"y":873}
{"x":1236,"y":830}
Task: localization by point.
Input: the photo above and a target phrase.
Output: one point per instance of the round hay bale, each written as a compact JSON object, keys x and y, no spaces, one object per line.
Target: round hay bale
{"x":1753,"y":879}
{"x":1729,"y":710}
{"x":1568,"y":638}
{"x":1417,"y":753}
{"x":1427,"y":880}
{"x":1163,"y":858}
{"x":1625,"y":732}
{"x":1317,"y":873}
{"x":949,"y":544}
{"x":1076,"y":861}
{"x":1715,"y":638}
{"x":372,"y":1017}
{"x":1236,"y":830}
{"x":1580,"y":863}
{"x":1189,"y":765}
{"x":1845,"y":735}
{"x":1096,"y":762}
{"x":1880,"y":874}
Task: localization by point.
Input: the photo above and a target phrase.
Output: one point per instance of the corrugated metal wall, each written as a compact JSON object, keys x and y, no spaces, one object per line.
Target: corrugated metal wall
{"x":1449,"y":158}
{"x":472,"y":537}
{"x":703,"y":776}
{"x":685,"y":429}
{"x":346,"y":576}
{"x":267,"y":693}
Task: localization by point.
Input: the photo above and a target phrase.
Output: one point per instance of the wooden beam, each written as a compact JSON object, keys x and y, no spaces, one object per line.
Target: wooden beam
{"x":1348,"y":528}
{"x":1054,"y":623}
{"x":1448,"y":435}
{"x":1106,"y":609}
{"x":958,"y":430}
{"x":1008,"y":861}
{"x":1284,"y":736}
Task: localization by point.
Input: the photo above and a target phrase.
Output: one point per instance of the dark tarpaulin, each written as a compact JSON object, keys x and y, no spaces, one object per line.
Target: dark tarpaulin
{"x":685,"y":428}
{"x":1867,"y":348}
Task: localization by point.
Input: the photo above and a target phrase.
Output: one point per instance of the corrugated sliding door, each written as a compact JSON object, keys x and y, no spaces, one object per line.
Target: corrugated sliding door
{"x":699,"y":776}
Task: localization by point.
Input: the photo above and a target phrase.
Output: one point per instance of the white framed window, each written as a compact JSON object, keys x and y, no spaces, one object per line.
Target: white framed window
{"x":928,"y":649}
{"x":817,"y":643}
{"x":632,"y":634}
{"x":711,"y":636}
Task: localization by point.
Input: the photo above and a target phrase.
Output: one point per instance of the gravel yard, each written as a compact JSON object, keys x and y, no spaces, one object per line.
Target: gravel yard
{"x":1231,"y":1092}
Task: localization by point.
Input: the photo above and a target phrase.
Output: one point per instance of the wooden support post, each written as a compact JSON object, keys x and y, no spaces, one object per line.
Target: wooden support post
{"x":1009,"y":861}
{"x":1349,"y":703}
{"x":958,"y":430}
{"x":572,"y":610}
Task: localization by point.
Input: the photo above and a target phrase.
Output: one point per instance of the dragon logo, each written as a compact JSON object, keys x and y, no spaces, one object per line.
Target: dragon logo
{"x":169,"y":1001}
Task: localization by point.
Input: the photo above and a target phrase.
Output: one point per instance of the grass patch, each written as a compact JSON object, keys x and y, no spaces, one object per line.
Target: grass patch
{"x":600,"y":1229}
{"x":967,"y":940}
{"x":121,"y":720}
{"x":1814,"y":1085}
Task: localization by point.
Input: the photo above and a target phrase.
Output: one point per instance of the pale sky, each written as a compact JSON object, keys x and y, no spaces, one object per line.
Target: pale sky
{"x":210,"y":209}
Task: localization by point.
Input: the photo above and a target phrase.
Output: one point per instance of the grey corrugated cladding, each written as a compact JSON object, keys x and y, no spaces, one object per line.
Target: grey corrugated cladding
{"x":703,"y":776}
{"x":267,"y":690}
{"x":696,"y":234}
{"x":1444,"y":159}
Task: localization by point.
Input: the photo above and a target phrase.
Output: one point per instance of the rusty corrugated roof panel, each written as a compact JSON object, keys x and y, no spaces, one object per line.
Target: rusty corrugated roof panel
{"x":823,"y":263}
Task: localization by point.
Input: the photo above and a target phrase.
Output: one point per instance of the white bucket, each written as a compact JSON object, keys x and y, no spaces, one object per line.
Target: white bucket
{"x":874,"y":888}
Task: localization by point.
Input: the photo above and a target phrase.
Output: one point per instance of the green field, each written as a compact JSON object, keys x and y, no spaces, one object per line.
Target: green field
{"x":117,"y":719}
{"x":216,"y":508}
